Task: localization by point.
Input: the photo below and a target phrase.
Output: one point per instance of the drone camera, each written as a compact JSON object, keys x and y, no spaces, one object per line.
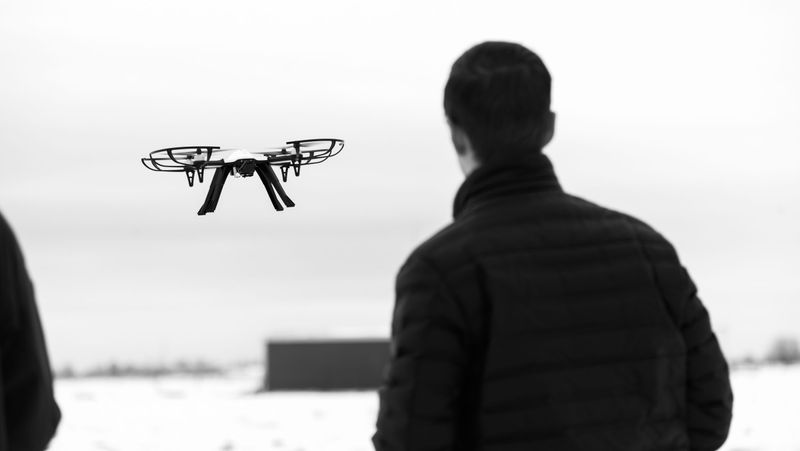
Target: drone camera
{"x":244,"y":168}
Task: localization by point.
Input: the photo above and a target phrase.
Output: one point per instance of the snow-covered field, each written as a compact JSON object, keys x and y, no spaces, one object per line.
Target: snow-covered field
{"x":225,"y":414}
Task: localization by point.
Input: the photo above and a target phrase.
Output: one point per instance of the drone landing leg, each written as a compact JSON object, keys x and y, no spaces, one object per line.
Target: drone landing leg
{"x":220,"y":175}
{"x":277,"y":184}
{"x":270,"y":191}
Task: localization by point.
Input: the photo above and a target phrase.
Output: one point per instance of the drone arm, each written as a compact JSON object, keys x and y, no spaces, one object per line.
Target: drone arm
{"x":268,"y":185}
{"x":273,"y":179}
{"x":214,"y":191}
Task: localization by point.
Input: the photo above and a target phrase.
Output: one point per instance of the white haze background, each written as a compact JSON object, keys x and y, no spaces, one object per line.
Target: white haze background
{"x":684,"y":114}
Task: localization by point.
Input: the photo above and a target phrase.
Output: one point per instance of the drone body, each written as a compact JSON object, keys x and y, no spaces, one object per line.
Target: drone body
{"x":193,"y":160}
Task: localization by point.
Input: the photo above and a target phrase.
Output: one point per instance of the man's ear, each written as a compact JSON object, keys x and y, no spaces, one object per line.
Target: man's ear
{"x":467,"y":159}
{"x":549,"y":128}
{"x":460,"y":139}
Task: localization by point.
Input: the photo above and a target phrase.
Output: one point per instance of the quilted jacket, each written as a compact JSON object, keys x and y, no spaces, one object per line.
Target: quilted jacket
{"x":541,"y":321}
{"x":28,"y":412}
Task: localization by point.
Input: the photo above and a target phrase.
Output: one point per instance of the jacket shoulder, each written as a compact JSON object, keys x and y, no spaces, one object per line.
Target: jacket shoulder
{"x":7,"y":239}
{"x":445,"y":242}
{"x":10,"y":252}
{"x":646,"y":234}
{"x":547,"y":223}
{"x":13,"y":280}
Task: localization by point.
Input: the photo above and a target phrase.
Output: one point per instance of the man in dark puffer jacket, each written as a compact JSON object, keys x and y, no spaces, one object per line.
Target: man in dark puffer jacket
{"x":29,"y":415}
{"x":538,"y":320}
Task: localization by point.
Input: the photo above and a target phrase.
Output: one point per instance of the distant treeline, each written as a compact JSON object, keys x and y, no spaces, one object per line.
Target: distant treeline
{"x":784,"y":351}
{"x":114,"y":369}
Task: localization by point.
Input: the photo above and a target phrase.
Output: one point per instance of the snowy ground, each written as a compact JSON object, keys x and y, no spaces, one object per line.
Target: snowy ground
{"x":224,"y":414}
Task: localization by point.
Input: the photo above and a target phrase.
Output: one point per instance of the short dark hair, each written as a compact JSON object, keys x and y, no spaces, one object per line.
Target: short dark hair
{"x":499,"y":94}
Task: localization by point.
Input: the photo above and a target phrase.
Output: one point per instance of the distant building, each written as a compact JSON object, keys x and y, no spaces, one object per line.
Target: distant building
{"x":326,"y":364}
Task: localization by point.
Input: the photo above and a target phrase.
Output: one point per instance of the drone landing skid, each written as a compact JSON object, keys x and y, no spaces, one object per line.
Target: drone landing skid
{"x":217,"y":182}
{"x":268,"y":178}
{"x":273,"y":185}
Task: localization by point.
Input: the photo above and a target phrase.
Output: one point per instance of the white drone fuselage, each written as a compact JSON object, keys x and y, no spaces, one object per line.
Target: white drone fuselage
{"x":234,"y":155}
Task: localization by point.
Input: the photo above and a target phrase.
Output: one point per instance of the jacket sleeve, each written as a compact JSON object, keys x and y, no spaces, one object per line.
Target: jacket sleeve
{"x":425,"y":376}
{"x":28,"y":410}
{"x":708,"y":390}
{"x":709,"y":398}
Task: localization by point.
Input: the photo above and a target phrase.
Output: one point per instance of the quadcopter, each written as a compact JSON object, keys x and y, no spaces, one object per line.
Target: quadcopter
{"x":194,"y":160}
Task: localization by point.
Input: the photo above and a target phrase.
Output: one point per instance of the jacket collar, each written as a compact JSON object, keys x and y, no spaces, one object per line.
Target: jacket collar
{"x":494,"y":181}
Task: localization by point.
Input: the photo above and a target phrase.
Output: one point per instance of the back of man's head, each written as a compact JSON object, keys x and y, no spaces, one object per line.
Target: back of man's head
{"x":498,"y":93}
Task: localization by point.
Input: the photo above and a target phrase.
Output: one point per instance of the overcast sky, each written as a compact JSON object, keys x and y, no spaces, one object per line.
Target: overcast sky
{"x":684,"y":114}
